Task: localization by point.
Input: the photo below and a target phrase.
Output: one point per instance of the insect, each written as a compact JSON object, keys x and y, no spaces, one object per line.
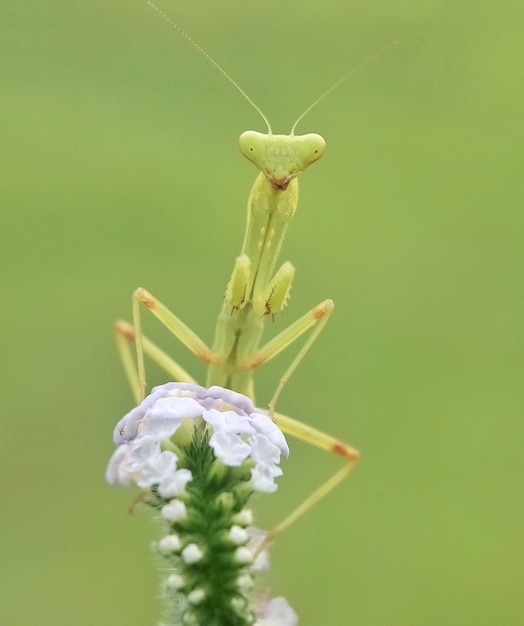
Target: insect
{"x":255,"y":291}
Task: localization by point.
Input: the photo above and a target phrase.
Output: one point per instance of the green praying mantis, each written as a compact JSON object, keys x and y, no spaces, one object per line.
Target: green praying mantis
{"x":255,"y":292}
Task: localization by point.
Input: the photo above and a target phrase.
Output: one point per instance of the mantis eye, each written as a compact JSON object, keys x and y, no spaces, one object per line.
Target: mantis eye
{"x":250,"y":142}
{"x":311,"y":148}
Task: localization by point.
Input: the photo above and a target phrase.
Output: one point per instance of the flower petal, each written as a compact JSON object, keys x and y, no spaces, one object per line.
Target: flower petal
{"x":229,"y":448}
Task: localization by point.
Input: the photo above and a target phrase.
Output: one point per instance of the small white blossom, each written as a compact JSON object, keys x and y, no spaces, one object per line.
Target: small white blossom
{"x":257,"y":537}
{"x":157,"y":467}
{"x":237,"y":400}
{"x":116,"y":473}
{"x":244,"y":517}
{"x":196,"y":596}
{"x":276,"y":612}
{"x":175,"y":581}
{"x":243,"y":556}
{"x":229,"y":422}
{"x":262,"y":477}
{"x":174,"y":510}
{"x":261,"y":562}
{"x":266,"y":426}
{"x":127,"y":428}
{"x":174,"y":484}
{"x":169,"y":543}
{"x":191,"y":619}
{"x":229,"y":448}
{"x":245,"y":582}
{"x":238,"y":535}
{"x":192,"y":553}
{"x":238,"y":604}
{"x":263,"y":450}
{"x":165,"y":417}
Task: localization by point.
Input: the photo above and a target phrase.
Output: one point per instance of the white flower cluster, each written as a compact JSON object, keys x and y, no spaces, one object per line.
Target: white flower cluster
{"x":239,"y":433}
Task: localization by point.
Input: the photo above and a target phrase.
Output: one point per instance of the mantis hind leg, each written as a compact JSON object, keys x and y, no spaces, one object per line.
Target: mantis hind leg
{"x":127,"y":334}
{"x":313,"y":320}
{"x":125,"y":337}
{"x":321,"y":440}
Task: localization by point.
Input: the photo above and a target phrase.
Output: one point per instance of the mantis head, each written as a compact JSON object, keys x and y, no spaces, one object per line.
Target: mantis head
{"x":281,"y":157}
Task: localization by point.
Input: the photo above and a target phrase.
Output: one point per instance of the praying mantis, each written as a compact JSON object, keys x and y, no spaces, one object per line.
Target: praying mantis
{"x":255,"y":293}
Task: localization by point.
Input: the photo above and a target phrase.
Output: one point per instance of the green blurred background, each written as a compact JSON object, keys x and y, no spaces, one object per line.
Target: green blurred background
{"x":120,"y":169}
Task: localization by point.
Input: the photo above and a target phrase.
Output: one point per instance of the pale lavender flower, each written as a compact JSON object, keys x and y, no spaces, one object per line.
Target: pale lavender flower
{"x":239,"y":433}
{"x":201,"y":453}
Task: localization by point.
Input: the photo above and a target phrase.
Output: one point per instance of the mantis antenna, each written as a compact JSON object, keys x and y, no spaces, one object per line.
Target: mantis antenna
{"x":326,"y":93}
{"x":347,"y":75}
{"x":179,"y":30}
